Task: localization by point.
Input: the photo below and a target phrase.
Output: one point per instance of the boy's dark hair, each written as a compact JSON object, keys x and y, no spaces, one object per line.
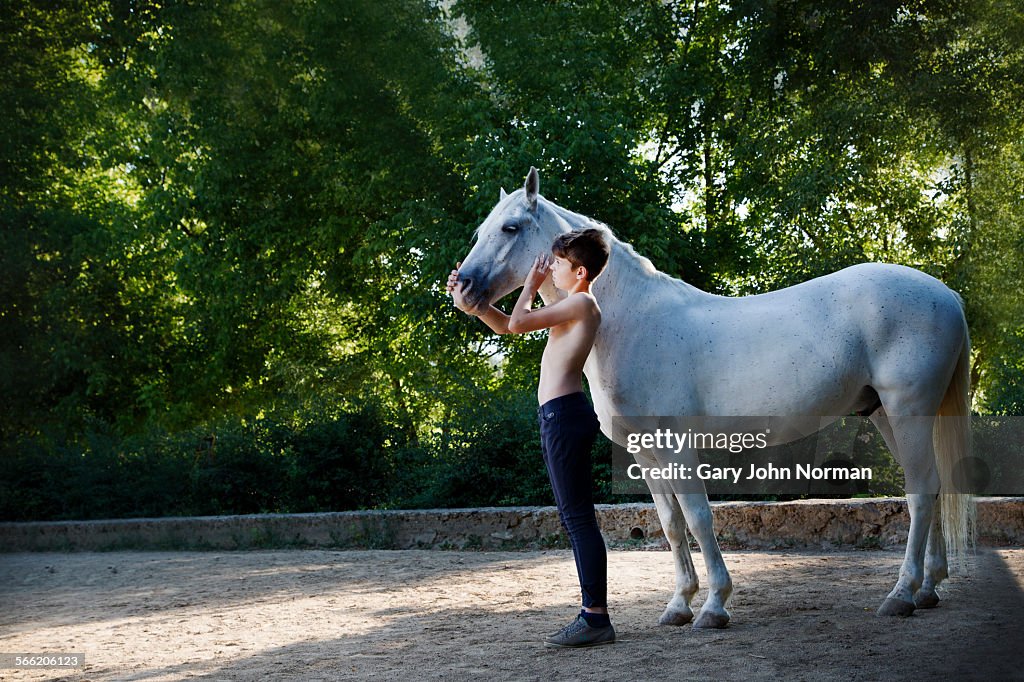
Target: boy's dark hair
{"x":586,"y":247}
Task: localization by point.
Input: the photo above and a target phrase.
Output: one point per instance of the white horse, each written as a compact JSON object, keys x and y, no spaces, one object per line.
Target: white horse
{"x":883,"y":340}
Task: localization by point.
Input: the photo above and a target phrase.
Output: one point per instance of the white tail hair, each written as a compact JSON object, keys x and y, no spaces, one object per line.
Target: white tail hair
{"x":952,"y":438}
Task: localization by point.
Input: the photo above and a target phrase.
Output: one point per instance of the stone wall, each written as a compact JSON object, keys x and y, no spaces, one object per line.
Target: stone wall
{"x":867,"y":523}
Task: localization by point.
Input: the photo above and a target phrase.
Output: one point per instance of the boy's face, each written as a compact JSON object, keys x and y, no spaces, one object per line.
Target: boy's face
{"x":563,"y":275}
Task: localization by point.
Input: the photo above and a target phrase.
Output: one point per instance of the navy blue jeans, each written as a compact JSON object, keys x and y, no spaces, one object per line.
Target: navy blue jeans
{"x":568,"y":427}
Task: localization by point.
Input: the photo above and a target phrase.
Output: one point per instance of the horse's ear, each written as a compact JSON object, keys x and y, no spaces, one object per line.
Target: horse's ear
{"x":532,"y":188}
{"x":503,"y":194}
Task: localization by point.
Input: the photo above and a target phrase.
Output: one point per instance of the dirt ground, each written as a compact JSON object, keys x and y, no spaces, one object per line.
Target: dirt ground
{"x":328,"y":615}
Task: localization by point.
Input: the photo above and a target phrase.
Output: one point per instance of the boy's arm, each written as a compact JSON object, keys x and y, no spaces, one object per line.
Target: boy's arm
{"x":525,"y":318}
{"x":495,"y":319}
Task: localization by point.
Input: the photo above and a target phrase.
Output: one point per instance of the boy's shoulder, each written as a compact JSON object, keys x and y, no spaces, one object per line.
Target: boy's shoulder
{"x":584,"y":301}
{"x":586,"y":295}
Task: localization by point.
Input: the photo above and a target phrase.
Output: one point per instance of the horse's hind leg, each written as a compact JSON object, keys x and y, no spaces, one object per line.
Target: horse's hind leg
{"x":900,"y":601}
{"x":935,"y":567}
{"x":910,"y":439}
{"x":678,"y":611}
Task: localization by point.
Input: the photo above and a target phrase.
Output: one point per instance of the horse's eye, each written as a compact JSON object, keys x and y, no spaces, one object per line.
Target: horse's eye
{"x":509,"y":228}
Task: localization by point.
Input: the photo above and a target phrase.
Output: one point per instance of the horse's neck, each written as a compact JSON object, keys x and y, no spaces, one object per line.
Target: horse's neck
{"x":548,"y":293}
{"x":630,"y":279}
{"x":629,"y":284}
{"x":625,"y":263}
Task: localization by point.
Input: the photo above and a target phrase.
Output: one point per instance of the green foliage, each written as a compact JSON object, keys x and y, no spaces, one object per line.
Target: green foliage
{"x":326,"y":462}
{"x":498,"y":464}
{"x":235,"y":218}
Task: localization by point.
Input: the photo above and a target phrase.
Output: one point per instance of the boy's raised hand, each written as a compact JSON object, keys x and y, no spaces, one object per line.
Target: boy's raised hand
{"x":539,"y":272}
{"x":456,"y":291}
{"x":453,"y":278}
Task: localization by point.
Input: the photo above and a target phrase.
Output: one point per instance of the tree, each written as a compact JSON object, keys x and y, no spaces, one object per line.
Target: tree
{"x":233,"y":212}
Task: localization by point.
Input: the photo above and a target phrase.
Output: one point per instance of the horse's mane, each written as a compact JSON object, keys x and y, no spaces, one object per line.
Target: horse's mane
{"x":642,"y":264}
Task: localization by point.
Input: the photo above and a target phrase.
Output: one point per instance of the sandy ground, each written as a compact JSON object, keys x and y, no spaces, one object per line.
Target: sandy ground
{"x":323,"y":615}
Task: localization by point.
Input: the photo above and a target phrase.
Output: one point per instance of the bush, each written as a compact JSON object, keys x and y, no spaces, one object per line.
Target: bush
{"x":345,"y":463}
{"x":498,"y":464}
{"x":321,"y":462}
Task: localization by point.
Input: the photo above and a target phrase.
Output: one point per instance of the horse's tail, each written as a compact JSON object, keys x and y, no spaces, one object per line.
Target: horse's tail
{"x":952,"y":439}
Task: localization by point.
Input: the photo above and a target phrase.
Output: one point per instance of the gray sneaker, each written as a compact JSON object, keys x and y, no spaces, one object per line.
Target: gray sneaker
{"x":579,"y":634}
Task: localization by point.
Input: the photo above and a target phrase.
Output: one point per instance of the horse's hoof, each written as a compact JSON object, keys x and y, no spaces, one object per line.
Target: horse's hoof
{"x":926,"y":599}
{"x":711,"y":620}
{"x":895,"y":607}
{"x":675,"y":617}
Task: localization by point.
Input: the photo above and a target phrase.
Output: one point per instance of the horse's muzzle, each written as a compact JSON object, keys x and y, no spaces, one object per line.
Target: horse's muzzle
{"x":472,"y":292}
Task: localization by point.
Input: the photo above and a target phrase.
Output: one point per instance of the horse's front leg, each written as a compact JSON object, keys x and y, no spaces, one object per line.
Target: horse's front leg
{"x":697,"y":513}
{"x":678,"y":611}
{"x":691,"y":500}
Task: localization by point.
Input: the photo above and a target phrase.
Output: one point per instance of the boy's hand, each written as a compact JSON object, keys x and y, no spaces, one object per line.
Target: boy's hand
{"x":455,"y":289}
{"x":538,"y":273}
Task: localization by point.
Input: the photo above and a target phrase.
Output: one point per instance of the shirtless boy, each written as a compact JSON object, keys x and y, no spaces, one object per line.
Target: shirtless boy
{"x":568,"y":424}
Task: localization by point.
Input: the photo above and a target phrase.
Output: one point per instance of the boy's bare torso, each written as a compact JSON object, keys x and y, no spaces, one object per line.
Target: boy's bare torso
{"x":569,"y":344}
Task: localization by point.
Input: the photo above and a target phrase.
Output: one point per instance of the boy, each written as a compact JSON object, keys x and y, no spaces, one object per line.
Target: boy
{"x":568,"y":424}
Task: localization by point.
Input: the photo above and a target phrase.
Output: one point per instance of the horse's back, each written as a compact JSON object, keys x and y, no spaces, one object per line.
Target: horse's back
{"x":872,"y":299}
{"x":865,"y":282}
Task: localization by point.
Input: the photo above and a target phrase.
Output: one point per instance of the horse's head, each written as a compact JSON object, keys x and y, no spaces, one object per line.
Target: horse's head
{"x":519,"y":227}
